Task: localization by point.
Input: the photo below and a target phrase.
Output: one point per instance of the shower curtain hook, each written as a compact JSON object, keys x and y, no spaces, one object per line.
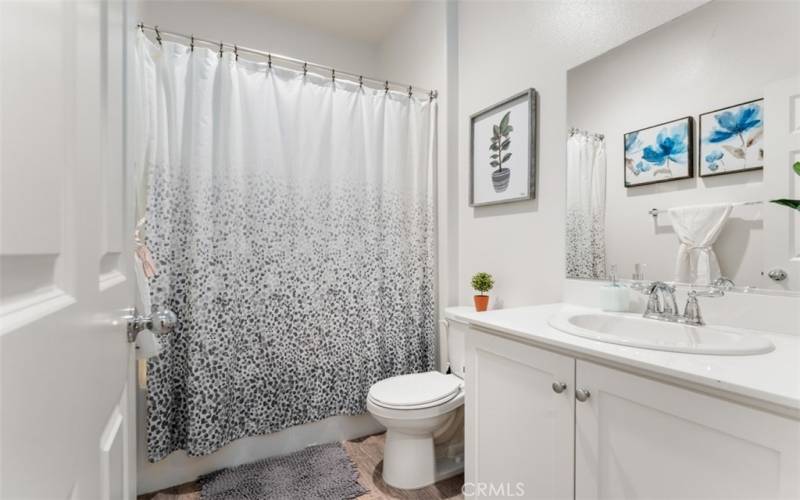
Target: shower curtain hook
{"x":236,"y":52}
{"x":360,"y":81}
{"x":433,"y":94}
{"x":305,"y":68}
{"x":158,"y":36}
{"x":409,"y":91}
{"x":333,"y":75}
{"x":220,"y":50}
{"x":269,"y":61}
{"x":386,"y":86}
{"x":141,"y":26}
{"x":191,"y":43}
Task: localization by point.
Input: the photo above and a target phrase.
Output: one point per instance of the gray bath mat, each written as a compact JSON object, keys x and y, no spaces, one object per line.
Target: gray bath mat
{"x":323,"y":472}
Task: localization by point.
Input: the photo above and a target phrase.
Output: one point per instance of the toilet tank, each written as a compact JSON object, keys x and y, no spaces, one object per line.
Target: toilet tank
{"x":453,"y":338}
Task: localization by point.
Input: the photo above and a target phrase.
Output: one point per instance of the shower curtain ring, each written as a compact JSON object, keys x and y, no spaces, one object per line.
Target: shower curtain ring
{"x":305,"y":68}
{"x":386,"y":86}
{"x":333,"y":75}
{"x":191,"y":43}
{"x":409,"y":91}
{"x":141,"y":26}
{"x":220,"y":50}
{"x":360,"y":81}
{"x":269,"y":61}
{"x":158,"y":36}
{"x":236,"y":52}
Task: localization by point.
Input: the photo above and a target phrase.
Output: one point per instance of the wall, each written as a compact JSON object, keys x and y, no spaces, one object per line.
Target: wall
{"x":242,"y":23}
{"x":694,"y":64}
{"x":505,"y":47}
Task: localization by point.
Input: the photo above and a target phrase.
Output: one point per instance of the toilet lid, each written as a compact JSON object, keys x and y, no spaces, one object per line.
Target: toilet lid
{"x":415,"y":390}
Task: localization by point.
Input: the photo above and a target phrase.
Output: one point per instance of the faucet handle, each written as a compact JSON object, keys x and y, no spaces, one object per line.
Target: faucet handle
{"x":691,"y":312}
{"x":724,"y":284}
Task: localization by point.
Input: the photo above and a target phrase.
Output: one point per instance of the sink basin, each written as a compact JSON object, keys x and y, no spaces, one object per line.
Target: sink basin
{"x":635,"y":331}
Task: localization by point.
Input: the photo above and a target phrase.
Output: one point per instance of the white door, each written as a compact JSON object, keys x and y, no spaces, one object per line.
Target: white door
{"x":66,"y":393}
{"x":782,"y":149}
{"x":518,"y":425}
{"x":637,"y":438}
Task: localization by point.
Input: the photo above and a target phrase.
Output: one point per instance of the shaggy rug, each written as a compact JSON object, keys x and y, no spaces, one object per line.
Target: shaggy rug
{"x":323,"y":472}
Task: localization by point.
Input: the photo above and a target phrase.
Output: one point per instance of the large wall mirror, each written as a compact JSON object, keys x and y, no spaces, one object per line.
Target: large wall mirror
{"x":679,"y":140}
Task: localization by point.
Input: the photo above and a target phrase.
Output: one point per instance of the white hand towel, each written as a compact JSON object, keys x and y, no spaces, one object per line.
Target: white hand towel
{"x":698,"y":227}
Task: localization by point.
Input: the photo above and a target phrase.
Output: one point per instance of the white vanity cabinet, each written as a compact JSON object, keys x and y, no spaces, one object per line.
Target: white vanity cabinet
{"x":630,"y":437}
{"x":518,"y":430}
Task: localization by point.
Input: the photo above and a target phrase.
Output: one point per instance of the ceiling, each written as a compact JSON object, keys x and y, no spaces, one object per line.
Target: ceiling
{"x":359,"y":20}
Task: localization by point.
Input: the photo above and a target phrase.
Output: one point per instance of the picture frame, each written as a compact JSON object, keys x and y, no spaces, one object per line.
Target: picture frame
{"x":502,"y":166}
{"x":659,"y":153}
{"x":731,"y":139}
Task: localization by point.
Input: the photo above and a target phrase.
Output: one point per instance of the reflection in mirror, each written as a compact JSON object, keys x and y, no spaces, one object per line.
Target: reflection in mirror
{"x":681,"y":139}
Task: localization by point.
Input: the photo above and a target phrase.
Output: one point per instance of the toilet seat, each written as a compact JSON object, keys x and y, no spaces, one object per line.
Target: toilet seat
{"x":415,"y":391}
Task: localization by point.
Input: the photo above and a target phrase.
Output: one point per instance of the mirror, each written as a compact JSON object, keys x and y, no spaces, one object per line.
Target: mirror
{"x":680,"y":139}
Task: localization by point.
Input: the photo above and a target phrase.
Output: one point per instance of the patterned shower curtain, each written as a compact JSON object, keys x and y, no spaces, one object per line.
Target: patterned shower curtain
{"x":290,"y":222}
{"x":586,"y":206}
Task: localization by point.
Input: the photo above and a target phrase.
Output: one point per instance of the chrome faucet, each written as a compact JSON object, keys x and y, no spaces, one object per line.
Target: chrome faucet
{"x":661,"y":302}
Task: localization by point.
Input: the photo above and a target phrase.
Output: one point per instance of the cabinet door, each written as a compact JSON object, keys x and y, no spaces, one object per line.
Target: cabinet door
{"x":518,"y":429}
{"x":638,"y":438}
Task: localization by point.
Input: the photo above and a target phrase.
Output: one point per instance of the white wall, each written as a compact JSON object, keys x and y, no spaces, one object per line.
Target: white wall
{"x":505,"y":47}
{"x":242,"y":23}
{"x":720,"y":54}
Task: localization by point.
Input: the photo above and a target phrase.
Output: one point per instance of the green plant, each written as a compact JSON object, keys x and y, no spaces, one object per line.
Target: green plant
{"x":482,"y":282}
{"x":500,"y":143}
{"x":795,"y":204}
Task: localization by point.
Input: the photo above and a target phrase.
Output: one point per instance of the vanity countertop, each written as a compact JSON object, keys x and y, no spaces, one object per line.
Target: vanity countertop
{"x":771,"y":380}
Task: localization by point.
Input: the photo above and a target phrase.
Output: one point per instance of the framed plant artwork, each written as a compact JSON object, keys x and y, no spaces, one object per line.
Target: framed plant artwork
{"x":503,"y":151}
{"x":731,"y":139}
{"x":659,"y":153}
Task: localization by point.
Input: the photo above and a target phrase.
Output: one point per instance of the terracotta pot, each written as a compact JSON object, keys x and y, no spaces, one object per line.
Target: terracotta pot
{"x":481,"y":302}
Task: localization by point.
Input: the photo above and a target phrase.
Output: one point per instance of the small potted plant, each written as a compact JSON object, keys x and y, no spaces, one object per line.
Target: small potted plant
{"x":482,"y":283}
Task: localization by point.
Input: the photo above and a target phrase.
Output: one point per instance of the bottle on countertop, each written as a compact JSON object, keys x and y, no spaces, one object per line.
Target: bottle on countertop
{"x":614,"y":296}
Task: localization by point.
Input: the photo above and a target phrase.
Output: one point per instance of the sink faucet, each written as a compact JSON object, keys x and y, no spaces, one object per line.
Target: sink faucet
{"x":661,"y":302}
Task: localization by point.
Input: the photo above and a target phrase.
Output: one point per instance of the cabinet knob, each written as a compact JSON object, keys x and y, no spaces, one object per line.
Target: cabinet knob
{"x":558,"y":387}
{"x":582,"y":395}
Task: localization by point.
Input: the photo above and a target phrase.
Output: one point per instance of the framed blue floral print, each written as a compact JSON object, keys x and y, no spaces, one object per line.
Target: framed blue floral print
{"x":659,"y":153}
{"x":731,"y":139}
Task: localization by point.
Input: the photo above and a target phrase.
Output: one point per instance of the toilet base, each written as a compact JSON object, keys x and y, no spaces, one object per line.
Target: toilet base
{"x":409,"y":461}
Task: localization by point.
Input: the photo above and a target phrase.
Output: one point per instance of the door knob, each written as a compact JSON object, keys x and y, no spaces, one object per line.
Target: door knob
{"x":582,"y":395}
{"x":160,"y":322}
{"x":558,"y":387}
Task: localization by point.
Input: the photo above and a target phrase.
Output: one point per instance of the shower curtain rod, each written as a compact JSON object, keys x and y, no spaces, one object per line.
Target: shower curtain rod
{"x":355,"y":77}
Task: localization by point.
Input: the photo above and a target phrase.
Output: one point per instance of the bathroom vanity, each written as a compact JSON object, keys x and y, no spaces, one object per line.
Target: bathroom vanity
{"x":563,"y":416}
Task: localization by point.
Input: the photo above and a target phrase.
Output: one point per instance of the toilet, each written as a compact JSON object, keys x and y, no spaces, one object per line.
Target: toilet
{"x":424,"y":418}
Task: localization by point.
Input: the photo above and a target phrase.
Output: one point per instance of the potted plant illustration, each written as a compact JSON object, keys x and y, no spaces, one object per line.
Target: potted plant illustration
{"x":500,"y":142}
{"x":795,"y":204}
{"x":482,"y":283}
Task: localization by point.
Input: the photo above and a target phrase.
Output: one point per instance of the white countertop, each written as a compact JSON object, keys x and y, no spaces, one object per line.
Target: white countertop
{"x":772,"y":378}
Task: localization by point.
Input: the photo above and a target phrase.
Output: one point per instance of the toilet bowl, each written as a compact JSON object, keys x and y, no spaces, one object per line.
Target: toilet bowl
{"x":423,"y":416}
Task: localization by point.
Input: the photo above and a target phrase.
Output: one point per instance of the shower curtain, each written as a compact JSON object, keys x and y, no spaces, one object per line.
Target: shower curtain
{"x":290,"y":222}
{"x":586,"y":206}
